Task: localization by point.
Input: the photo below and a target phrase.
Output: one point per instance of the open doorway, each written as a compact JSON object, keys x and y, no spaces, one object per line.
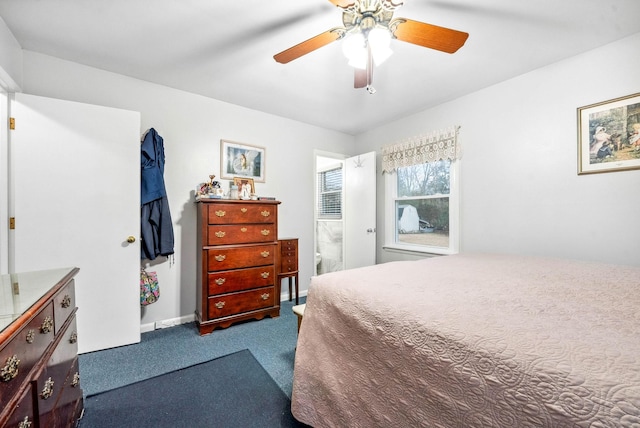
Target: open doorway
{"x":345,"y":211}
{"x":329,"y":218}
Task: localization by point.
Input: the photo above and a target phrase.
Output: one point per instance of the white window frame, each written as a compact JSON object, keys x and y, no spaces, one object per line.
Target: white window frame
{"x":340,"y":193}
{"x":391,"y":221}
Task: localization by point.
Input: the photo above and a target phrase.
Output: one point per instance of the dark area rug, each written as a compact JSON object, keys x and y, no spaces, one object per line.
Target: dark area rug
{"x":230,"y":391}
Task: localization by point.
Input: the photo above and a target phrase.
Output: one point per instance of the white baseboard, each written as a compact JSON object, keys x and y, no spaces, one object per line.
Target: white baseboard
{"x":284,"y":297}
{"x":171,"y":322}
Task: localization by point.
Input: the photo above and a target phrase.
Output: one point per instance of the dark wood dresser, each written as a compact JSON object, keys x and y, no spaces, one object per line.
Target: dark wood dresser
{"x":237,"y":255}
{"x":39,"y":376}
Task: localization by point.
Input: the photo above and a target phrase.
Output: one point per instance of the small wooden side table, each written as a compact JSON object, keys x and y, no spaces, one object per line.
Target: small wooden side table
{"x":288,"y":253}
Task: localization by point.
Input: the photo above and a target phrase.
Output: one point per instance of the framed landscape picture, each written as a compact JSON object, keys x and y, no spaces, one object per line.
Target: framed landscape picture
{"x":242,"y":160}
{"x":609,"y":135}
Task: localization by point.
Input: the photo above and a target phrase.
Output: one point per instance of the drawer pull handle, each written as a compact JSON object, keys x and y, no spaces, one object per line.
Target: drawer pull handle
{"x":76,"y":380}
{"x":221,"y":213}
{"x":243,"y":229}
{"x":66,"y":301}
{"x":265,"y":296}
{"x":74,"y":337}
{"x":220,"y":257}
{"x":47,"y":325}
{"x":25,"y":423}
{"x":265,"y":213}
{"x":243,"y":209}
{"x":265,"y":232}
{"x":47,"y":391}
{"x":31,"y":335}
{"x":265,"y":254}
{"x":220,"y":304}
{"x":265,"y":275}
{"x":220,"y":234}
{"x":10,"y":369}
{"x":220,"y":281}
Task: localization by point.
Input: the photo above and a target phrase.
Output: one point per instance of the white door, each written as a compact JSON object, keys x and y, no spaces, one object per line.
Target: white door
{"x":360,"y":211}
{"x":76,"y":194}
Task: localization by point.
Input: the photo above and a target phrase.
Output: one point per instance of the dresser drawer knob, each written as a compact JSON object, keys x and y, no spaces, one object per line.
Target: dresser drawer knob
{"x":66,"y":301}
{"x":243,"y":209}
{"x":265,"y":213}
{"x":10,"y":369}
{"x":220,"y":304}
{"x":220,"y":234}
{"x":47,"y":325}
{"x":220,"y":281}
{"x":221,"y":213}
{"x":47,"y":391}
{"x":31,"y":335}
{"x":243,"y":229}
{"x":265,"y":232}
{"x":220,"y":257}
{"x":265,"y":254}
{"x":76,"y":380}
{"x":265,"y":296}
{"x":25,"y":423}
{"x":74,"y":337}
{"x":265,"y":275}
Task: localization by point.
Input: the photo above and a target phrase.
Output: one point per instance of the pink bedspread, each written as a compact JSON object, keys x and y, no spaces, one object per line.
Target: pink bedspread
{"x":471,"y":341}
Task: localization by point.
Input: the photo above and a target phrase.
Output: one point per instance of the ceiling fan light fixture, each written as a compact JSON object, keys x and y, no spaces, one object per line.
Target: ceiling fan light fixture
{"x":380,"y":40}
{"x":355,"y":44}
{"x":355,"y":49}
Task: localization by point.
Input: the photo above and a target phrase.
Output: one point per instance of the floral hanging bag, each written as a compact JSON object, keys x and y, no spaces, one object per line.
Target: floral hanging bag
{"x":149,"y":288}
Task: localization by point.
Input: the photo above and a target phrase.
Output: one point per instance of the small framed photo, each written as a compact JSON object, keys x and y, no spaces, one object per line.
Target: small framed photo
{"x":609,"y":135}
{"x":241,"y":160}
{"x":244,"y":183}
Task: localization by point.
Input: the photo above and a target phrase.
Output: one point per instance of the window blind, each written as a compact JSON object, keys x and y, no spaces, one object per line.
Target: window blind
{"x":330,"y":194}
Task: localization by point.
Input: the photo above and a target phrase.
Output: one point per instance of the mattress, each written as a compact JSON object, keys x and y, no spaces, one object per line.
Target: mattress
{"x":471,"y":340}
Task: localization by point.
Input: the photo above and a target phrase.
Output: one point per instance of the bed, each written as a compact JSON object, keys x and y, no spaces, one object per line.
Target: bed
{"x":471,"y":340}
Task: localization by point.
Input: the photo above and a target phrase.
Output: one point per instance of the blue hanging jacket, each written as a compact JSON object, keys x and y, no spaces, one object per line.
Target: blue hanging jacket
{"x":156,"y":227}
{"x":152,"y":164}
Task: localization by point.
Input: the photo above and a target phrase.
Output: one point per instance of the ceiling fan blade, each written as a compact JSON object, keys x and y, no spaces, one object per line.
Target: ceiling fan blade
{"x":309,"y":45}
{"x":363,"y":77}
{"x":428,"y":35}
{"x":360,"y":78}
{"x":343,"y":3}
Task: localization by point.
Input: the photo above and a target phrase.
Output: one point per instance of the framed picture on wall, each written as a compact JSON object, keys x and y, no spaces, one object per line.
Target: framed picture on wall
{"x":609,"y":135}
{"x":241,"y":160}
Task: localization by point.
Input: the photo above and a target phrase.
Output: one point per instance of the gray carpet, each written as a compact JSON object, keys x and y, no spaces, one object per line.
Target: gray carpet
{"x":272,"y":341}
{"x":230,"y":391}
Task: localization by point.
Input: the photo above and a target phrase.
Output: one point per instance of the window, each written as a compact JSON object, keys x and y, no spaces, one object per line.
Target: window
{"x":330,"y":194}
{"x":422,"y":198}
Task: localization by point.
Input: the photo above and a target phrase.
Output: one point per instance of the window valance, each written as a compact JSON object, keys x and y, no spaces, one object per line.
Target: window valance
{"x":437,"y":145}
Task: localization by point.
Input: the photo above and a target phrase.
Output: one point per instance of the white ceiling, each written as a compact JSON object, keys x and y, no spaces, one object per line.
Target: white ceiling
{"x":224,"y":49}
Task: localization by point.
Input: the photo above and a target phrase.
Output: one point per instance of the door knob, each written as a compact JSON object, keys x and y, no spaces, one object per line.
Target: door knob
{"x":131,"y":239}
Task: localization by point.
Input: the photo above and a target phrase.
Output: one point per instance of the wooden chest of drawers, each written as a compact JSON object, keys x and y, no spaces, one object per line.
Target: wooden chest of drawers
{"x":39,"y":376}
{"x":289,"y":262}
{"x":237,"y":256}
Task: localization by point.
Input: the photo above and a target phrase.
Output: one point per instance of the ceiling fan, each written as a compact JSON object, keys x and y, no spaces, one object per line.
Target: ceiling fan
{"x":368,"y":27}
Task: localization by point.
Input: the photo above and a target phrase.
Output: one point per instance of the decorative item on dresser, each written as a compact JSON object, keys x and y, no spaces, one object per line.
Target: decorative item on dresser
{"x":237,"y":272}
{"x":288,"y":252}
{"x":39,"y":376}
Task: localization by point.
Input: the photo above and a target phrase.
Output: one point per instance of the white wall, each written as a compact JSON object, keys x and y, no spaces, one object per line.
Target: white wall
{"x":10,"y":59}
{"x":192,"y":127}
{"x":520,"y":188}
